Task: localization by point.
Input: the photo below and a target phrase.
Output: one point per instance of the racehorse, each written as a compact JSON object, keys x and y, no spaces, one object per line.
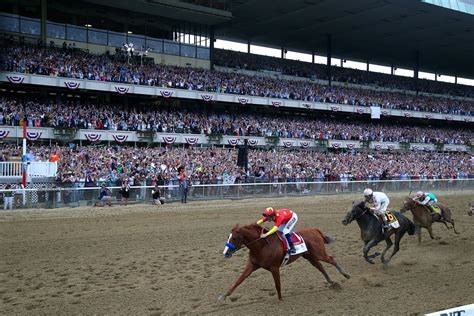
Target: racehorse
{"x":423,"y":218}
{"x":372,"y":230}
{"x":268,"y":253}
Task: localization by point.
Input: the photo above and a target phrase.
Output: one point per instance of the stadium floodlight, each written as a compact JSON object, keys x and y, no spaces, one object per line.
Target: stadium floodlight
{"x":128,"y":49}
{"x":88,"y":25}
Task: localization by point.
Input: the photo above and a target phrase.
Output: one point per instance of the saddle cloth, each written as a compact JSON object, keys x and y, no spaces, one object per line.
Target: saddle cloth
{"x":298,"y":242}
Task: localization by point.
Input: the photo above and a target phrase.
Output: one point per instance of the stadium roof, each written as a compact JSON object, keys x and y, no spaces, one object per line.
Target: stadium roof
{"x":378,"y":31}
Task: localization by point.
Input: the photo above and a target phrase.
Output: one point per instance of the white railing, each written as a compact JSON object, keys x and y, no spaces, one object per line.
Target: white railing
{"x":35,"y":169}
{"x":76,"y":196}
{"x":10,"y":169}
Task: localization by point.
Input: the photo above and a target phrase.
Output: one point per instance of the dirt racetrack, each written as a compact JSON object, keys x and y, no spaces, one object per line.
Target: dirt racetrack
{"x":147,"y":260}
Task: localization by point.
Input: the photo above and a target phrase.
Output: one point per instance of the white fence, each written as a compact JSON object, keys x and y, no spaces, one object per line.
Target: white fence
{"x":80,"y":196}
{"x":35,"y":169}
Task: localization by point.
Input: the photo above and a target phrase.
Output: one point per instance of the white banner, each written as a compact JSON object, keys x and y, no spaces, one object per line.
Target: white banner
{"x":375,"y":112}
{"x":466,"y":310}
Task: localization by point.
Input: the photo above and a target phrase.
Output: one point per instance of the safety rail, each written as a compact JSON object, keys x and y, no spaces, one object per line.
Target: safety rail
{"x":83,"y":196}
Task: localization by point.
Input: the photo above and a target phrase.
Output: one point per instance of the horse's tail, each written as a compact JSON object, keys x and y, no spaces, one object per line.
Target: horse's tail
{"x":411,"y":228}
{"x":327,"y":239}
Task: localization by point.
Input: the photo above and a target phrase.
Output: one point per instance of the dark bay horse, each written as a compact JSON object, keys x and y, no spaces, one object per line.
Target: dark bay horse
{"x":422,"y":216}
{"x":268,"y":253}
{"x":371,"y":230}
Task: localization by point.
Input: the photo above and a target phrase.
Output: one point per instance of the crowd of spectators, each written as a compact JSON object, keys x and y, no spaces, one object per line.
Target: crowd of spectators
{"x":76,"y":113}
{"x":75,"y":63}
{"x":94,"y":165}
{"x":239,"y":60}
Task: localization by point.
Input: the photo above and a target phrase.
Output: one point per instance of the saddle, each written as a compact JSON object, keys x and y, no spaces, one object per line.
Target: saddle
{"x":392,"y":220}
{"x":298,"y":242}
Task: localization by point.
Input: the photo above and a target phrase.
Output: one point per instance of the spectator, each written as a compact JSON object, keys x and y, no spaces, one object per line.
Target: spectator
{"x":105,"y":196}
{"x":156,"y":195}
{"x":8,"y":198}
{"x":125,"y":191}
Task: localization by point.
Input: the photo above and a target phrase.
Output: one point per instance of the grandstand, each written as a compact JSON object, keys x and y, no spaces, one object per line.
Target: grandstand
{"x":245,"y":99}
{"x":149,"y":74}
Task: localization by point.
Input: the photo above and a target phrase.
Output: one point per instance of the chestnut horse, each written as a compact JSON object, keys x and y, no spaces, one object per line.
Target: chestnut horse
{"x":268,"y":253}
{"x":422,"y":217}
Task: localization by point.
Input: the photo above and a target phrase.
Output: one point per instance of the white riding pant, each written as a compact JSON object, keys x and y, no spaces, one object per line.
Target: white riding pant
{"x":288,"y":227}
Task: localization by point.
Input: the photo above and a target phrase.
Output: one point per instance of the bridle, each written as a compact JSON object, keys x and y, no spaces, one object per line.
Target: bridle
{"x":245,"y":243}
{"x":362,"y":214}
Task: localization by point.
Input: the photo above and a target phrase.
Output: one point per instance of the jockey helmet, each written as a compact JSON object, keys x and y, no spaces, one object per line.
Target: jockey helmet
{"x":368,"y":192}
{"x":268,"y":211}
{"x":419,"y":194}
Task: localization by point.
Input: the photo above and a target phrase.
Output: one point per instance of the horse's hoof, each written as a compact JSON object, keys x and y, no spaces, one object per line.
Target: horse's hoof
{"x":347,"y":276}
{"x":222,"y":297}
{"x":370,"y":261}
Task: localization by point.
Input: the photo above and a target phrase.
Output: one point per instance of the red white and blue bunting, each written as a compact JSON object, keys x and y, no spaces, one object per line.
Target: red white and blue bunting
{"x":336,"y":145}
{"x":378,"y":147}
{"x":233,"y":141}
{"x":416,"y":147}
{"x":169,"y":139}
{"x":335,"y":108}
{"x":120,"y":138}
{"x":277,"y":103}
{"x":191,"y":140}
{"x":385,"y":113}
{"x":16,"y":79}
{"x":304,"y":144}
{"x":253,"y":142}
{"x":166,"y":93}
{"x":467,"y":119}
{"x":350,"y":145}
{"x":207,"y":97}
{"x":390,"y":147}
{"x":93,"y":137}
{"x":307,"y":105}
{"x":360,"y":110}
{"x":33,"y":135}
{"x":448,"y":118}
{"x":427,"y":148}
{"x":243,"y":100}
{"x":407,"y":114}
{"x":428,"y":116}
{"x":121,"y":90}
{"x":287,"y":144}
{"x":4,"y":134}
{"x":72,"y":85}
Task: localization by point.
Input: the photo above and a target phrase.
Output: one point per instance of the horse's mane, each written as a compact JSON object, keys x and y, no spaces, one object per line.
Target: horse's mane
{"x":251,"y":227}
{"x":360,"y":205}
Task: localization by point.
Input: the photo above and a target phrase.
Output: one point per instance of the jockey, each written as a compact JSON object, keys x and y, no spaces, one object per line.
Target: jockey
{"x":381,"y":202}
{"x":284,"y":220}
{"x":427,"y":199}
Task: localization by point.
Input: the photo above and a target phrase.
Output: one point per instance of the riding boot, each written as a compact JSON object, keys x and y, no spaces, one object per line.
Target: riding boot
{"x":291,"y":249}
{"x":386,"y":226}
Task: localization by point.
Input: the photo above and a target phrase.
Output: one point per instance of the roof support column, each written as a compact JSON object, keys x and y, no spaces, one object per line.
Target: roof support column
{"x":312,"y":57}
{"x":392,"y":70}
{"x":416,"y":69}
{"x":282,"y":52}
{"x":248,"y":47}
{"x":212,"y":39}
{"x":329,"y":53}
{"x":44,"y":4}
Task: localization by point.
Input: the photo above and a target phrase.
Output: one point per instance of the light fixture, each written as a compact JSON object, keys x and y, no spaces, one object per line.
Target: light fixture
{"x":129,"y":32}
{"x":88,"y":25}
